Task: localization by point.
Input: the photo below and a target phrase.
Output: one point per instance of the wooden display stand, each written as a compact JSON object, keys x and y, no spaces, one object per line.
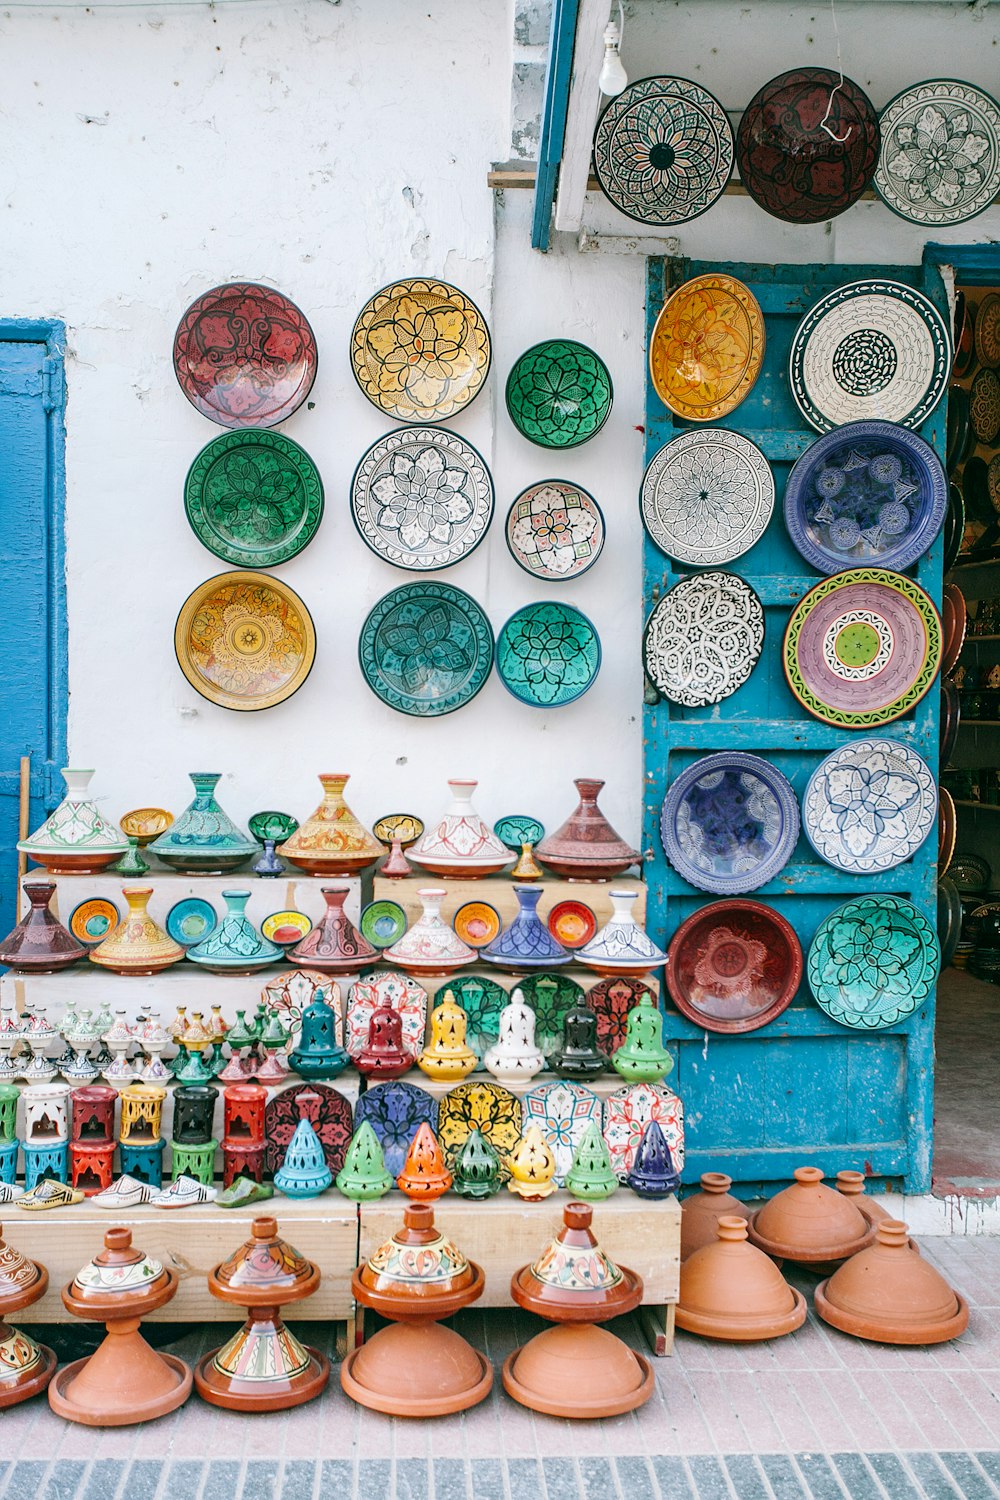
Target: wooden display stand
{"x":498,"y":891}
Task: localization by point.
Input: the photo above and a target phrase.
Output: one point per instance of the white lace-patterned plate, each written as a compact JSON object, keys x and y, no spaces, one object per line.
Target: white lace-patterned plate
{"x":422,"y":498}
{"x":703,"y":639}
{"x":706,"y":497}
{"x":869,"y":805}
{"x":940,"y":156}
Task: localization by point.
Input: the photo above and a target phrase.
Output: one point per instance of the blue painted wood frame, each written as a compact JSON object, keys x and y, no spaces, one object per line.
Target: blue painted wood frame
{"x":803,"y":1089}
{"x":552,"y":136}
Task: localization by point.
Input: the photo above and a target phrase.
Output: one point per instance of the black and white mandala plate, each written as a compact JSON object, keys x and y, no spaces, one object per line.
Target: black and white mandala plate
{"x":422,"y":498}
{"x":703,"y":639}
{"x":707,"y":497}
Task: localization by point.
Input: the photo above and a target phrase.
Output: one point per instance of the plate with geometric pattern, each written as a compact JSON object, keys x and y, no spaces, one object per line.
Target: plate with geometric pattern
{"x":707,"y":497}
{"x":939,"y":162}
{"x":703,"y":638}
{"x":422,"y":498}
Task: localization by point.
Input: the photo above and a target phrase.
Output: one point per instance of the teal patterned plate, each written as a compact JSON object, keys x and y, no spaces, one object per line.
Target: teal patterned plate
{"x":559,"y":394}
{"x":482,"y":1000}
{"x":873,"y":962}
{"x":254,"y":498}
{"x":548,"y":654}
{"x":426,"y":649}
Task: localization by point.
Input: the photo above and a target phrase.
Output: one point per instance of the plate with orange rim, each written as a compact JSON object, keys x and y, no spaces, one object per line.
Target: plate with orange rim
{"x":477,"y":923}
{"x":707,"y":347}
{"x":420,"y":350}
{"x":572,"y":923}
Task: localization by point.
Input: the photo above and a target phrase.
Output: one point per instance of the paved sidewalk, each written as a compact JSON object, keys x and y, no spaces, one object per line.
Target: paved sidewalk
{"x":816,"y":1414}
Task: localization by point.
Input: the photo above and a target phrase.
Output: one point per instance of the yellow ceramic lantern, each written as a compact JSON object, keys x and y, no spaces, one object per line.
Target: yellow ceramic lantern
{"x":332,"y":841}
{"x":447,"y":1058}
{"x":532,"y":1167}
{"x":138,"y":945}
{"x":142,"y":1107}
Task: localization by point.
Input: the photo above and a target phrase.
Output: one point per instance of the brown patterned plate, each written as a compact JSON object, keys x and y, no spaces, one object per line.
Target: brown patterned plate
{"x":707,"y":347}
{"x":955,"y":620}
{"x":987,"y":335}
{"x":245,"y":641}
{"x":984,"y":406}
{"x":420,"y":350}
{"x":947,"y":827}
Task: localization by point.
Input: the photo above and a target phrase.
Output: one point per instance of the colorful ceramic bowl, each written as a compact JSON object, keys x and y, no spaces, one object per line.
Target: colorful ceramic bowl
{"x":255,"y":499}
{"x":548,"y":654}
{"x":477,"y":923}
{"x":191,"y":920}
{"x":873,"y":962}
{"x":144,"y":824}
{"x":406,"y":827}
{"x":555,"y":530}
{"x":559,"y":394}
{"x":729,"y":823}
{"x":286,"y":928}
{"x":278,"y":826}
{"x":971,"y":873}
{"x":92,"y":920}
{"x":517,"y":829}
{"x":426,"y":649}
{"x":733,"y":966}
{"x":383,"y":923}
{"x":420,"y":350}
{"x":245,"y":641}
{"x":572,"y":923}
{"x":707,"y":347}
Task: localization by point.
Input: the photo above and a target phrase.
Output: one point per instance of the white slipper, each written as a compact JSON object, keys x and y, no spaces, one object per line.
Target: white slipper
{"x":182,"y":1193}
{"x":127,"y":1192}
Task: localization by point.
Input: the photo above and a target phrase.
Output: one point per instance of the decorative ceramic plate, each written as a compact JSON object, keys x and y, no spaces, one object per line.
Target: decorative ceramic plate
{"x":289,"y":993}
{"x":562,"y":1111}
{"x":869,"y":805}
{"x":92,"y":920}
{"x":955,"y":621}
{"x":426,"y":649}
{"x":517,"y":829}
{"x":807,"y":145}
{"x":559,"y":394}
{"x":144,"y":824}
{"x":951,"y":715}
{"x":707,"y":497}
{"x":940,"y":156}
{"x":396,"y":1111}
{"x":959,"y":427}
{"x":482,"y":1000}
{"x":611,"y":1000}
{"x":868,"y":493}
{"x":332,"y":1123}
{"x":487,"y":1107}
{"x":245,"y":641}
{"x":190,"y":920}
{"x":993,"y":482}
{"x":548,"y":654}
{"x":255,"y":499}
{"x":572,"y":923}
{"x":703,"y":638}
{"x":707,"y":347}
{"x":627,"y":1112}
{"x":963,"y":332}
{"x":406,"y":827}
{"x":383,"y":923}
{"x":984,"y":406}
{"x":550,"y":997}
{"x":862,"y":648}
{"x":555,"y":530}
{"x":278,"y":826}
{"x":976,"y":491}
{"x":245,"y":356}
{"x":729,"y":823}
{"x":477,"y":923}
{"x":403,"y":994}
{"x":987,"y":331}
{"x":286,"y":928}
{"x":420,"y":350}
{"x":422,"y":498}
{"x":733,"y":966}
{"x":947,"y":830}
{"x":971,"y":873}
{"x":663,"y":150}
{"x":871,"y":349}
{"x":950,"y":917}
{"x":954,"y":523}
{"x":873,"y":962}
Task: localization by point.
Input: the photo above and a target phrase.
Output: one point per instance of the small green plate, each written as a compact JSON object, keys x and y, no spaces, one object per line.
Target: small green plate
{"x":278,"y":826}
{"x":518,"y":829}
{"x":383,"y":923}
{"x":559,"y":394}
{"x":254,"y":498}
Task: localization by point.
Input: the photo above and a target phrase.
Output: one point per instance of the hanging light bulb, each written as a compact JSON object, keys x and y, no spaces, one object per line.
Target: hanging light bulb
{"x":613,"y":77}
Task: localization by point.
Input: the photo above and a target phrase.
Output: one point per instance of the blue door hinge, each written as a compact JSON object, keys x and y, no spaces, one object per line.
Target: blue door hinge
{"x":53,"y":382}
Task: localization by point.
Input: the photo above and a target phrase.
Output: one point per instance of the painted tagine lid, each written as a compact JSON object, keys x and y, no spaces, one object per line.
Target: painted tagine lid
{"x":138,"y":945}
{"x":204,"y":840}
{"x":334,"y":945}
{"x":22,"y":1281}
{"x":732,"y":1291}
{"x":75,"y":839}
{"x":891,"y":1294}
{"x":527,"y":943}
{"x":700,"y":1214}
{"x":418,"y":1272}
{"x":586,"y":847}
{"x":40,"y":944}
{"x":810,"y":1223}
{"x":460,"y":843}
{"x":265,"y":1271}
{"x":621,"y":946}
{"x":430,"y":946}
{"x":235,"y":946}
{"x":120,"y":1282}
{"x":573,"y":1281}
{"x":332,"y":841}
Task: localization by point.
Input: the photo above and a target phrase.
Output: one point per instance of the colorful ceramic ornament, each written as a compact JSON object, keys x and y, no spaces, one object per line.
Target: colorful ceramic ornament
{"x":400,"y":993}
{"x":461,"y":844}
{"x":395,"y":866}
{"x":515,"y":1056}
{"x":729,"y":823}
{"x":873,"y":961}
{"x":590,"y":1175}
{"x":25,"y":1367}
{"x":732,"y":1291}
{"x":48,"y":1193}
{"x":235,"y":946}
{"x":395,"y":1111}
{"x":482,"y":999}
{"x":572,"y":923}
{"x":550,"y":996}
{"x":304,"y":1172}
{"x":404,"y":827}
{"x":318,"y":1054}
{"x":144,"y":824}
{"x":890,"y":1294}
{"x":426,"y":649}
{"x":383,"y":922}
{"x":526,"y":867}
{"x":420,"y":350}
{"x":255,"y":499}
{"x":132,"y":863}
{"x":479,"y":1172}
{"x":245,"y":641}
{"x":487,"y":1107}
{"x":334,"y":946}
{"x":430,"y":947}
{"x":204,"y":840}
{"x":578,"y":1056}
{"x":75,"y":839}
{"x":642,"y":1057}
{"x":621,"y":946}
{"x":707,"y":497}
{"x":331,"y":841}
{"x":555,"y":530}
{"x":559,"y":393}
{"x":269,"y":866}
{"x":527,"y":943}
{"x":329,"y":1114}
{"x":137,"y":945}
{"x":628,"y":1110}
{"x":703,"y":639}
{"x":532,"y":1166}
{"x":190,"y":920}
{"x":733,"y":966}
{"x":363,"y":1176}
{"x":477,"y":923}
{"x":940,"y":156}
{"x":424,"y":1175}
{"x":92,"y":920}
{"x":586,"y":847}
{"x":447,"y":1057}
{"x":653,"y":1173}
{"x":40,"y":944}
{"x":562,"y":1111}
{"x":707,"y":347}
{"x":869,"y":805}
{"x":548,"y":654}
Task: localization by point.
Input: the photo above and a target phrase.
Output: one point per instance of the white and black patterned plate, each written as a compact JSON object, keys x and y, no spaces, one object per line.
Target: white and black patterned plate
{"x":703,"y":639}
{"x":663,"y":150}
{"x":940,"y":157}
{"x":422,"y":498}
{"x":871,"y":349}
{"x":707,"y":497}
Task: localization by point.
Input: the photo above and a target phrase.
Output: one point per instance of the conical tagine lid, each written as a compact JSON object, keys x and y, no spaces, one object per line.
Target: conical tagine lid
{"x":205,"y":831}
{"x":460,"y":838}
{"x":573,"y":1279}
{"x":117,"y":1270}
{"x":332,"y":836}
{"x":265,"y":1268}
{"x":587,"y":838}
{"x":734,"y":1292}
{"x":417,"y":1261}
{"x":891,"y":1294}
{"x":76,"y":827}
{"x":811,"y":1223}
{"x":17,"y":1272}
{"x":40,"y":943}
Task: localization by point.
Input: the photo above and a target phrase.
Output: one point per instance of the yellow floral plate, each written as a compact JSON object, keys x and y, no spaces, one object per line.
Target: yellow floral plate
{"x":420,"y":350}
{"x":707,"y":347}
{"x":245,"y":641}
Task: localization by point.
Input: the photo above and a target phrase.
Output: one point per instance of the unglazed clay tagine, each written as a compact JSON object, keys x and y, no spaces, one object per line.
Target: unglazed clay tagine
{"x":810,"y":1223}
{"x":888,"y":1293}
{"x":586,"y":847}
{"x":331,"y":841}
{"x":25,"y":1367}
{"x":75,"y":839}
{"x":732,"y":1291}
{"x":40,"y":944}
{"x":461,"y":845}
{"x":700,"y":1214}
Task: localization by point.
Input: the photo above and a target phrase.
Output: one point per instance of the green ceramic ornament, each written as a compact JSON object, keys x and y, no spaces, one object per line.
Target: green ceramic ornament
{"x":131,"y":863}
{"x":239,"y":1035}
{"x":478,"y":1170}
{"x":195,"y":1066}
{"x":590,"y":1175}
{"x":243,"y":1190}
{"x":363,"y":1175}
{"x":9,"y":1095}
{"x":254,"y":498}
{"x":642,"y":1057}
{"x":274,"y":1034}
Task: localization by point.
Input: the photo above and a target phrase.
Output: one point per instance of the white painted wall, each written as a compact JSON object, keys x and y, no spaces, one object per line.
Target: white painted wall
{"x":150,"y":152}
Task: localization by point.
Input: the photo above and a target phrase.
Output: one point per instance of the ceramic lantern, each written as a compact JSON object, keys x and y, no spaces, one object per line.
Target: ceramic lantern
{"x":363,"y":1175}
{"x":479,"y":1172}
{"x":204,"y":840}
{"x":334,"y":945}
{"x":586,"y":847}
{"x":447,"y":1057}
{"x":591,"y":1175}
{"x":579,"y":1056}
{"x":424,"y":1175}
{"x":653,"y":1174}
{"x":384,"y":1055}
{"x":40,"y":944}
{"x":460,"y":845}
{"x":25,"y":1367}
{"x":642,"y":1057}
{"x":75,"y":839}
{"x":318,"y":1054}
{"x":810,"y":1223}
{"x":532,"y":1166}
{"x":515,"y":1055}
{"x":890,"y":1294}
{"x":332,"y":841}
{"x":303,"y":1172}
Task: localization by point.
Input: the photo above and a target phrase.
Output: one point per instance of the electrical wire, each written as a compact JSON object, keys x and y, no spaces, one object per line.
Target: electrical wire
{"x":840,"y":139}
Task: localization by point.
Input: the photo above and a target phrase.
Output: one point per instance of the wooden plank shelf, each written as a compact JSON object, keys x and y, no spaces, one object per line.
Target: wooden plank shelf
{"x":498,"y":892}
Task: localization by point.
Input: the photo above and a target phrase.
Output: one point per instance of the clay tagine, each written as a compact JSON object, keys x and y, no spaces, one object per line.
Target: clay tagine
{"x":810,"y":1223}
{"x":577,"y":1370}
{"x":460,"y":845}
{"x":40,"y":944}
{"x":332,"y":841}
{"x":424,"y":1175}
{"x":586,"y":847}
{"x":138,"y":945}
{"x":734,"y":1292}
{"x":416,"y":1368}
{"x":334,"y":945}
{"x":125,"y":1381}
{"x":852,"y":1185}
{"x":430,"y":947}
{"x":701,"y":1213}
{"x":25,"y":1367}
{"x":888,"y":1293}
{"x":204,"y":840}
{"x":263,"y":1367}
{"x":75,"y":839}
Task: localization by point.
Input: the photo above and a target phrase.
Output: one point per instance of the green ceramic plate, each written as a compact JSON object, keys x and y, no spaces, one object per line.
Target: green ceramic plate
{"x":559,"y":394}
{"x":383,"y":923}
{"x":272,"y":825}
{"x":873,"y":962}
{"x":426,"y":649}
{"x":254,"y":498}
{"x":548,"y":654}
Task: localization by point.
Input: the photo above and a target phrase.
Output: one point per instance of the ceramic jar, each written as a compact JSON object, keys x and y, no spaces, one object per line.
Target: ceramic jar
{"x":75,"y":839}
{"x":430,"y":947}
{"x":586,"y":847}
{"x":204,"y":840}
{"x":331,"y":841}
{"x":461,"y":845}
{"x":40,"y":944}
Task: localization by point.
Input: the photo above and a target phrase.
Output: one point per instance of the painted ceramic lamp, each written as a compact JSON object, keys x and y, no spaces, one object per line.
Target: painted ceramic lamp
{"x":461,"y":844}
{"x":75,"y":839}
{"x":515,"y":1055}
{"x":137,"y":945}
{"x":40,"y":944}
{"x":204,"y":840}
{"x":331,"y":841}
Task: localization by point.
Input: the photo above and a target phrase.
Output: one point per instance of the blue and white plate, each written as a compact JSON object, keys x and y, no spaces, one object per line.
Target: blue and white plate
{"x":869,"y":805}
{"x":191,"y":921}
{"x":729,"y":823}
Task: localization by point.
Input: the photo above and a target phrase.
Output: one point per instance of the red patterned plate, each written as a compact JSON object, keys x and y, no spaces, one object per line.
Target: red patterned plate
{"x":611,"y":1001}
{"x":733,"y":966}
{"x":572,"y":923}
{"x":245,"y":355}
{"x":332,"y":1123}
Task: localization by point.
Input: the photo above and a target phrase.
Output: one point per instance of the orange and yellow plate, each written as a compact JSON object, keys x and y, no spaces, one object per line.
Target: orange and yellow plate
{"x":707,"y":347}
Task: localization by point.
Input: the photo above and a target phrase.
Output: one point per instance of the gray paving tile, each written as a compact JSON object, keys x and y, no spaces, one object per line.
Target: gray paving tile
{"x":524,"y":1477}
{"x":967,"y":1475}
{"x":298,"y":1480}
{"x":25,"y":1480}
{"x":220,"y":1481}
{"x":374,"y":1479}
{"x":821,"y":1482}
{"x":635,"y":1478}
{"x":143,"y":1478}
{"x":411,"y":1478}
{"x":933,"y":1480}
{"x":105,"y":1475}
{"x":183,"y":1480}
{"x":856,"y":1476}
{"x":596,"y":1479}
{"x":709,"y":1478}
{"x":63,"y":1480}
{"x":991,"y":1463}
{"x":487,"y":1479}
{"x":336,"y":1480}
{"x":781,"y":1476}
{"x":449,"y":1479}
{"x":892,"y":1476}
{"x":260,"y":1480}
{"x":745,"y":1475}
{"x":561,"y":1480}
{"x":672,"y":1477}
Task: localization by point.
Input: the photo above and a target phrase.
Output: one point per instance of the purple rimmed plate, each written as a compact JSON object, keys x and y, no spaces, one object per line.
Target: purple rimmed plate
{"x":729,"y":823}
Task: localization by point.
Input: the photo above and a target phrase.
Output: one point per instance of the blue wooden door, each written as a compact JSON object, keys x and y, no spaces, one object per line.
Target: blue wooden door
{"x":802,"y":1090}
{"x":32,"y":582}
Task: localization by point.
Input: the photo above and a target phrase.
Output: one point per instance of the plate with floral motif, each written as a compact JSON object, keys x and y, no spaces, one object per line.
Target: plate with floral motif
{"x":984,"y":406}
{"x":873,"y":962}
{"x":422,"y":498}
{"x":555,"y":530}
{"x":562,"y":1111}
{"x":729,"y":823}
{"x":627,"y":1112}
{"x":255,"y":499}
{"x":939,"y":161}
{"x":92,"y":920}
{"x":332,"y":1123}
{"x":426,"y":649}
{"x":733,"y":966}
{"x":550,"y":997}
{"x":986,"y":334}
{"x":482,"y":999}
{"x":398,"y":990}
{"x":611,"y":1000}
{"x":548,"y":654}
{"x":703,"y":638}
{"x":396,"y":1110}
{"x":707,"y":497}
{"x":487,"y":1107}
{"x":288,"y":995}
{"x":245,"y":641}
{"x":420,"y":350}
{"x":869,"y":805}
{"x":559,"y":393}
{"x":707,"y":347}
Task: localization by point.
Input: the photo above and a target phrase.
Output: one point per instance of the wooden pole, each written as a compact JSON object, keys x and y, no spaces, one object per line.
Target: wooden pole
{"x":23,"y":814}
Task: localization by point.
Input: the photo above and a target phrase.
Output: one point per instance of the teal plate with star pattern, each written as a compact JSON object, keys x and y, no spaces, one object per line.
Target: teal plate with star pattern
{"x":548,"y":654}
{"x":873,"y":962}
{"x":254,"y":498}
{"x":426,"y":649}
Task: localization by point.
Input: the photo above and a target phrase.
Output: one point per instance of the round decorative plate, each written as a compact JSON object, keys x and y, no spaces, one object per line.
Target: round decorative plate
{"x":290,"y":992}
{"x":422,"y":498}
{"x":517,"y":829}
{"x":406,"y":827}
{"x":383,"y":923}
{"x":572,"y":923}
{"x":487,"y":1107}
{"x":254,"y":498}
{"x":869,"y":805}
{"x":707,"y":347}
{"x":959,"y":425}
{"x":729,"y":823}
{"x":555,"y":530}
{"x":144,"y":824}
{"x":963,"y":332}
{"x":955,"y":619}
{"x":971,"y":873}
{"x":331,"y":1122}
{"x":951,"y":717}
{"x":940,"y":156}
{"x":663,"y":150}
{"x":862,"y":647}
{"x":703,"y":638}
{"x":992,"y":484}
{"x":190,"y":920}
{"x":477,"y":923}
{"x":947,"y":830}
{"x":611,"y":1000}
{"x":482,"y":1000}
{"x":395,"y":1111}
{"x":398,"y":990}
{"x":426,"y":649}
{"x":873,"y":962}
{"x":244,"y":355}
{"x":550,"y":997}
{"x":563,"y":1112}
{"x":987,"y":331}
{"x":420,"y":350}
{"x":733,"y":966}
{"x":548,"y":654}
{"x":870,"y":492}
{"x":244,"y":641}
{"x":950,"y":917}
{"x":955,"y":524}
{"x":984,"y":406}
{"x":707,"y":497}
{"x":870,"y":349}
{"x":286,"y":928}
{"x":92,"y":920}
{"x":807,"y":145}
{"x":559,"y":394}
{"x":278,"y":826}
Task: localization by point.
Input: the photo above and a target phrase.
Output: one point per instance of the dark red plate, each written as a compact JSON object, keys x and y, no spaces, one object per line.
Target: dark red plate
{"x":245,"y":355}
{"x":733,"y":966}
{"x":611,"y":1000}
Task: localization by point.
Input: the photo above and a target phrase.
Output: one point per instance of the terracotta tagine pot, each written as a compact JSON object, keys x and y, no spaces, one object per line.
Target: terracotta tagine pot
{"x":586,"y":847}
{"x":75,"y":839}
{"x":461,"y":845}
{"x":700,"y":1214}
{"x":891,"y":1295}
{"x":125,"y":1381}
{"x":334,"y":945}
{"x":40,"y":944}
{"x":734,"y":1292}
{"x":138,"y":945}
{"x":25,"y":1367}
{"x":852,"y":1185}
{"x":416,"y":1368}
{"x":424,"y":1175}
{"x":810,"y":1223}
{"x":577,"y":1370}
{"x":263,"y":1367}
{"x":332,"y":841}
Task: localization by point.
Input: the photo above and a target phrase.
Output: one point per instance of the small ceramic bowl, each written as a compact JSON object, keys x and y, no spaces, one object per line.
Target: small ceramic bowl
{"x":406,"y":827}
{"x":572,"y":923}
{"x":383,"y":923}
{"x":286,"y":928}
{"x":92,"y":920}
{"x":477,"y":923}
{"x":144,"y":824}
